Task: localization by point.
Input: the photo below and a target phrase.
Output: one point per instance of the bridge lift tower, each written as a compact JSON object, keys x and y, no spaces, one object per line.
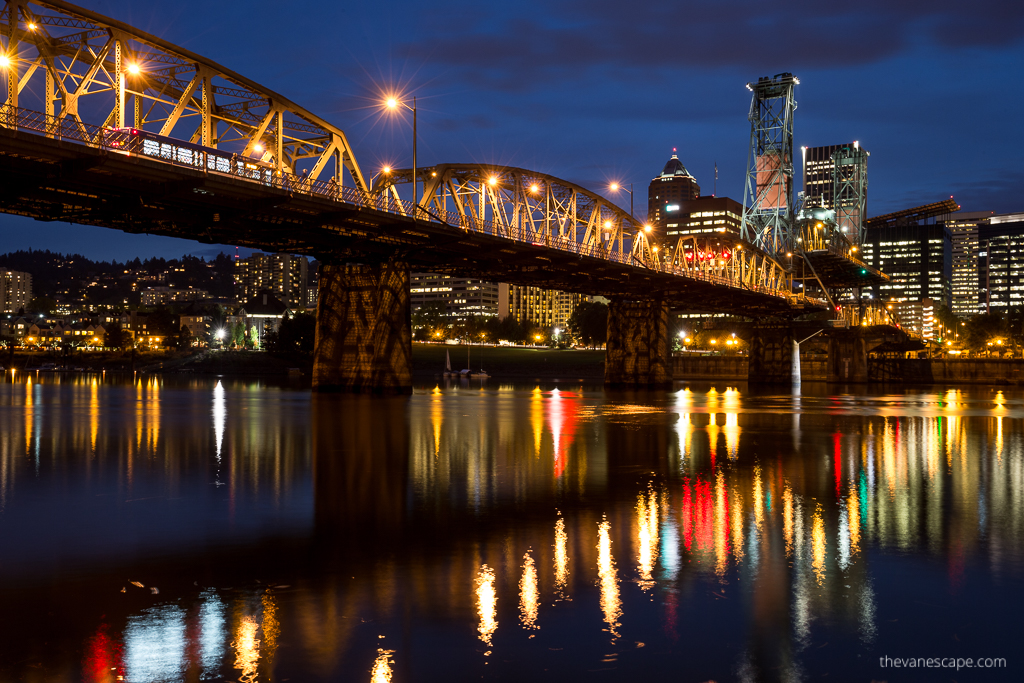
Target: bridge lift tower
{"x":768,"y":194}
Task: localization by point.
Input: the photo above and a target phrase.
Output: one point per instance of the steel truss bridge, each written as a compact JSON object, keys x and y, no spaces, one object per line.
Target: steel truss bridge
{"x":109,"y":126}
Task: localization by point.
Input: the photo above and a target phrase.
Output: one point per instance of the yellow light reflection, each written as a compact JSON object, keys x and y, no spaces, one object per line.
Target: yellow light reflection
{"x":561,"y":558}
{"x":647,"y":538}
{"x":787,"y":518}
{"x":381,"y":671}
{"x":853,"y":510}
{"x":611,"y":605}
{"x":537,"y":418}
{"x":94,"y":412}
{"x":758,"y":498}
{"x":486,"y":604}
{"x":529,"y":595}
{"x":818,"y":545}
{"x":721,"y":525}
{"x":247,"y":649}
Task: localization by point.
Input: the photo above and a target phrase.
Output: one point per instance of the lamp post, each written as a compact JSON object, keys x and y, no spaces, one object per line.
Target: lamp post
{"x":394,"y":103}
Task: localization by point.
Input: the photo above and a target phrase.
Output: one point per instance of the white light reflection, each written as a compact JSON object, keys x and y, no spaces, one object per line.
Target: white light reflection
{"x":154,"y":645}
{"x":220,"y":412}
{"x":211,"y":639}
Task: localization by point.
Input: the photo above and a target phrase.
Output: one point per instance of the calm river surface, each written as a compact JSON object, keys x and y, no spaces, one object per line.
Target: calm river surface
{"x":203,"y":529}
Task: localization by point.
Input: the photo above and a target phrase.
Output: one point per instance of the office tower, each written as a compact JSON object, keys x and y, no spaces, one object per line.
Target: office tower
{"x":15,"y":291}
{"x":283,"y":274}
{"x":917,"y":258}
{"x":963,"y":227}
{"x":542,"y":307}
{"x":705,"y":215}
{"x":462,"y":297}
{"x":665,"y":196}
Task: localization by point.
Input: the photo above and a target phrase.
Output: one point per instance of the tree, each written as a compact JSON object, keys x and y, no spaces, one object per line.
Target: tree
{"x":589,"y":323}
{"x":116,"y":337}
{"x":42,"y":304}
{"x":295,"y":337}
{"x":182,"y":340}
{"x":429,"y":319}
{"x":982,"y":329}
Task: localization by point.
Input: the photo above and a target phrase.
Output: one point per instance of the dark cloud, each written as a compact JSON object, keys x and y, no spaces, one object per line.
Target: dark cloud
{"x":504,"y":52}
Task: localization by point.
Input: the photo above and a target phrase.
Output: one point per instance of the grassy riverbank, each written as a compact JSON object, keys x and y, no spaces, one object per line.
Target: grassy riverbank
{"x":427,"y":360}
{"x":504,"y":361}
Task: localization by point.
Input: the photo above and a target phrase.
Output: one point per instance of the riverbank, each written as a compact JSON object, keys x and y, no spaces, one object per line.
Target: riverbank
{"x":428,"y":360}
{"x":511,"y":362}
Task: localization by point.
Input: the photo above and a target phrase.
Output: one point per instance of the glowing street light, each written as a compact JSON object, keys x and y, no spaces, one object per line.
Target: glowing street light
{"x":134,"y":69}
{"x":5,"y":61}
{"x":393,"y":104}
{"x":615,"y":187}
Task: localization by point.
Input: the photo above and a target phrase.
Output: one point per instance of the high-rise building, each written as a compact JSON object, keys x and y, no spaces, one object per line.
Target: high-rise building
{"x":917,"y":258}
{"x":705,"y":215}
{"x":542,"y":307}
{"x":462,"y":297}
{"x":963,"y":227}
{"x":819,"y":173}
{"x":665,"y":196}
{"x":15,"y":291}
{"x":283,"y":274}
{"x":1001,"y":263}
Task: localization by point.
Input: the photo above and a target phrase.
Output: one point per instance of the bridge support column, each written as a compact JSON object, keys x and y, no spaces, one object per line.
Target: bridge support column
{"x":638,"y":344}
{"x":774,"y":356}
{"x":363,"y":330}
{"x":847,"y":356}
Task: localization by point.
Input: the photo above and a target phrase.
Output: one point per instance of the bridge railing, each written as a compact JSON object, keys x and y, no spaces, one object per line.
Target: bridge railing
{"x":133,"y":142}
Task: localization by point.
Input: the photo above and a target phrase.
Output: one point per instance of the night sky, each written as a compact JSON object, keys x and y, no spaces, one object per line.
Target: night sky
{"x":598,"y":91}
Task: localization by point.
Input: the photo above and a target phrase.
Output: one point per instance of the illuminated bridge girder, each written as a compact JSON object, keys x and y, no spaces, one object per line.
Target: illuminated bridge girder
{"x":526,"y":204}
{"x":77,"y":67}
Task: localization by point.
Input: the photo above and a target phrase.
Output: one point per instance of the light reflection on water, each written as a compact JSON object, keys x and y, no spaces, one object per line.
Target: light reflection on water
{"x":468,"y":519}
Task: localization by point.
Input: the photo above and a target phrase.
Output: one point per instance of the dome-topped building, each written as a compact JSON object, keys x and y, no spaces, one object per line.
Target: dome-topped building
{"x":665,"y":194}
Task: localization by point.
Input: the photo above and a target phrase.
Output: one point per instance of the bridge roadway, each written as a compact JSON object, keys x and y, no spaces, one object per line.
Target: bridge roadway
{"x":68,"y":180}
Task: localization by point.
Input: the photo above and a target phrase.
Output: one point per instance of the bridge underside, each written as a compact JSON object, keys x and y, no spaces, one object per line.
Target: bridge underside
{"x":50,"y":180}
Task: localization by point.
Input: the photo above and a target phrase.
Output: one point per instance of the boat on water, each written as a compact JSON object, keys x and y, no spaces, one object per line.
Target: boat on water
{"x":479,"y":375}
{"x":448,"y":365}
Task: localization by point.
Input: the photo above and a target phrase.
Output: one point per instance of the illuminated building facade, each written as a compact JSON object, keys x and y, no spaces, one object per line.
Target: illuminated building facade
{"x":462,"y":297}
{"x":819,"y":173}
{"x":918,"y":316}
{"x":917,"y":258}
{"x":284,"y":275}
{"x":15,"y":291}
{"x":542,"y":307}
{"x":666,"y":194}
{"x":706,"y":215}
{"x":963,"y":227}
{"x":1001,"y":263}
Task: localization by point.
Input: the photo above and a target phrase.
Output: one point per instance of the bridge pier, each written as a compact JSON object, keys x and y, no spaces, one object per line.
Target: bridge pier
{"x":363,"y":329}
{"x":774,"y":356}
{"x":847,"y":356}
{"x":638,"y":351}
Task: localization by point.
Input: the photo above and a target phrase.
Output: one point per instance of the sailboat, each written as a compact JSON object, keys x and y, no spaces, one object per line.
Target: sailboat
{"x":476,"y":375}
{"x":448,"y":364}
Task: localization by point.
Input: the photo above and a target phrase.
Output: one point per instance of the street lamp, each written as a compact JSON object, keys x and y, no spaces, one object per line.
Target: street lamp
{"x":394,"y":103}
{"x":615,"y":187}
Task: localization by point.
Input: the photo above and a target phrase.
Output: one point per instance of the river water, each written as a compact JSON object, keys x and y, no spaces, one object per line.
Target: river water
{"x":162,"y":529}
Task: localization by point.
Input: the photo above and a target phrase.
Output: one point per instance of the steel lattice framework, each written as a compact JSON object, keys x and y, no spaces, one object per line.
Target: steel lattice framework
{"x":850,"y":190}
{"x":768,"y":193}
{"x":535,"y":207}
{"x":74,"y":66}
{"x":525,"y":205}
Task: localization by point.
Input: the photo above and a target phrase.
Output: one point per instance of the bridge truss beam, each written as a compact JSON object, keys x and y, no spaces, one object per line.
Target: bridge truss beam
{"x":78,"y":66}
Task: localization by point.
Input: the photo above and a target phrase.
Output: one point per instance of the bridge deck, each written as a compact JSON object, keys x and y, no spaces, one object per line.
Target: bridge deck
{"x":59,"y":180}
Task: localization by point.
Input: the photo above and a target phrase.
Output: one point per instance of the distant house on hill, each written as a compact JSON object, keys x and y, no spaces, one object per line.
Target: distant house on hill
{"x":264,"y":312}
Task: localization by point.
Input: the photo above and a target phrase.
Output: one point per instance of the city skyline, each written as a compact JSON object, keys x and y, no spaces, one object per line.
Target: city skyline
{"x":545,"y":94}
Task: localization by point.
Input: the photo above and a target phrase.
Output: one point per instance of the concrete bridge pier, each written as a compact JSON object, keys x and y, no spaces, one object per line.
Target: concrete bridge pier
{"x":848,"y":356}
{"x":774,"y":356}
{"x":363,"y":329}
{"x":638,"y":351}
